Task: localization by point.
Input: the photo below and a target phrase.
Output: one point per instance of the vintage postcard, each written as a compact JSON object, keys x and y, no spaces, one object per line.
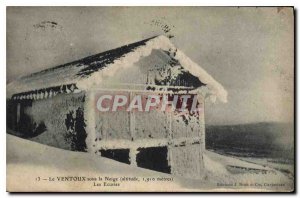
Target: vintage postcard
{"x":150,"y":99}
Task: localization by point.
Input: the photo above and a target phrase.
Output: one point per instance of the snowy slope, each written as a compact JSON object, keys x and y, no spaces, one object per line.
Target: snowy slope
{"x":236,"y":170}
{"x":28,"y":160}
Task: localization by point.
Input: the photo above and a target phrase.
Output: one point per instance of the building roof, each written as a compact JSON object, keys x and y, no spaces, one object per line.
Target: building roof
{"x":83,"y":74}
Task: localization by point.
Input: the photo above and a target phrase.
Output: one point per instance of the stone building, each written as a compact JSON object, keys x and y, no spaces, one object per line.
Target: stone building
{"x":57,"y":107}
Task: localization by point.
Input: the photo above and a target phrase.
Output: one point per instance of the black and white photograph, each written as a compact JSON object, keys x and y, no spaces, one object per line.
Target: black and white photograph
{"x":150,"y":99}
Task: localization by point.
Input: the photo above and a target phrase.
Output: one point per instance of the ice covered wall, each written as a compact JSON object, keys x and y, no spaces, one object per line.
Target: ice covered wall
{"x":63,"y":117}
{"x":187,"y":156}
{"x":186,"y":160}
{"x":168,"y":139}
{"x":142,"y":135}
{"x":151,"y":125}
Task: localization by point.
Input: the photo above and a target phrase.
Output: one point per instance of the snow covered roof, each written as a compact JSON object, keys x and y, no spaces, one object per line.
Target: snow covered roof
{"x":83,"y":74}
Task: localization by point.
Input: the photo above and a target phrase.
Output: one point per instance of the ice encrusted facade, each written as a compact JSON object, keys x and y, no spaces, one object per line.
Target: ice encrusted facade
{"x":57,"y":107}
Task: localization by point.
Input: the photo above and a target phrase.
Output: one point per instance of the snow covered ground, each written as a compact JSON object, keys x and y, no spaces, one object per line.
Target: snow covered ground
{"x":32,"y":167}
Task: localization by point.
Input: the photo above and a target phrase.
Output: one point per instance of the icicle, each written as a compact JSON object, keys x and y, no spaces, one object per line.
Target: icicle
{"x":72,"y":87}
{"x":61,"y":89}
{"x":42,"y":95}
{"x":46,"y":94}
{"x":50,"y":94}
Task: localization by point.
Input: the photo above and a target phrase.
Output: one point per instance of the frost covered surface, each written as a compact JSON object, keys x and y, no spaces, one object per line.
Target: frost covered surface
{"x":69,"y":73}
{"x":181,"y":134}
{"x":184,"y":161}
{"x":26,"y":160}
{"x":185,"y":126}
{"x":159,"y":43}
{"x":112,"y":125}
{"x":151,"y":125}
{"x":55,"y":114}
{"x":91,"y":71}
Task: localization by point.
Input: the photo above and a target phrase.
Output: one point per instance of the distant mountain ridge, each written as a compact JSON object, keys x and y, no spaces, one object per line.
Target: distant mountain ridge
{"x":264,"y":139}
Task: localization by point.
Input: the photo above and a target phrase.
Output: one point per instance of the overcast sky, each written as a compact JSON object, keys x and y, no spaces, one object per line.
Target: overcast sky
{"x":248,"y":50}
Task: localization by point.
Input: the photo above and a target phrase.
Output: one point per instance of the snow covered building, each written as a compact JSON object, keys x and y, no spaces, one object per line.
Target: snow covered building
{"x":57,"y":107}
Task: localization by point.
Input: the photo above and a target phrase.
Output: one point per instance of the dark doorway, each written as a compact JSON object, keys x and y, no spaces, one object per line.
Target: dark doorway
{"x":120,"y":155}
{"x":154,"y":158}
{"x":25,"y":124}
